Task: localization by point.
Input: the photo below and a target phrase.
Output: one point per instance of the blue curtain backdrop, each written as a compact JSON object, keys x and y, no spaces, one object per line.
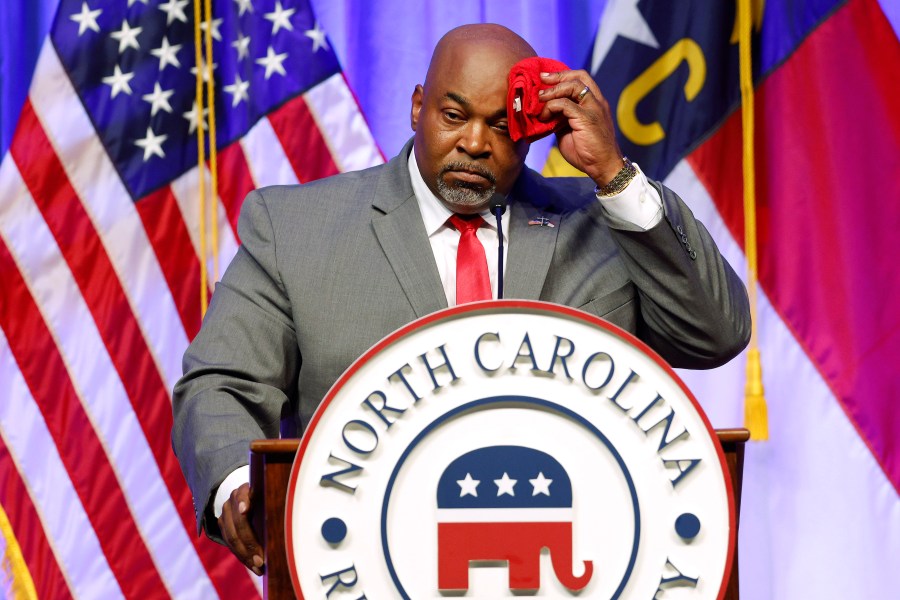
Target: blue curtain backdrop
{"x":385,"y":47}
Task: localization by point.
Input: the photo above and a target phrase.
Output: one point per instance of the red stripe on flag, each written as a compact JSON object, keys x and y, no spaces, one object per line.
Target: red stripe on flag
{"x":235,"y":182}
{"x":86,"y":462}
{"x":79,"y":243}
{"x":828,"y":218}
{"x":303,"y":143}
{"x":172,"y":245}
{"x":26,"y":524}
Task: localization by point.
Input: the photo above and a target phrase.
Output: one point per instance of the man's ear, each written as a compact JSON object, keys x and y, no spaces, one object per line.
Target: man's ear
{"x":418,"y":97}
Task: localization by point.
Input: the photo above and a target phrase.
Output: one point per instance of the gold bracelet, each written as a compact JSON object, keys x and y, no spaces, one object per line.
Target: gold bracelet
{"x":619,"y":182}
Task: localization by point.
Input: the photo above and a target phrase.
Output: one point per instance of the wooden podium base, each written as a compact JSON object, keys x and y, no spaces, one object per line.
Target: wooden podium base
{"x":270,"y":470}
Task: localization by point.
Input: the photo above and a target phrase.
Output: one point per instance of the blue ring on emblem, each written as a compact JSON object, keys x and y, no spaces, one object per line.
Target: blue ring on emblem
{"x":516,"y":400}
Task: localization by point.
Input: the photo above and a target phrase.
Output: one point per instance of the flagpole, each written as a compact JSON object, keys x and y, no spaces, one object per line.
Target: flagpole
{"x":755,"y":409}
{"x":201,"y":158}
{"x":213,"y":151}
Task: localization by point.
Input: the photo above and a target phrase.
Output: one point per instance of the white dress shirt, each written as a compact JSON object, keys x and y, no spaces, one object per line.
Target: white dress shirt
{"x":636,"y":208}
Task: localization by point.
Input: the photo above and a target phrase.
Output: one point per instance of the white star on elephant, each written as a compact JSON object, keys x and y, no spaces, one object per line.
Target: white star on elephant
{"x":468,"y":486}
{"x":541,"y":485}
{"x":505,"y":485}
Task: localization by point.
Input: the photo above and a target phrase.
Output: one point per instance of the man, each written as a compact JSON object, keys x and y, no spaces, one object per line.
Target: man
{"x":329,"y":268}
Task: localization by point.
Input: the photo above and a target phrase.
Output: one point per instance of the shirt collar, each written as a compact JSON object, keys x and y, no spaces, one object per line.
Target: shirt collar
{"x":434,"y":213}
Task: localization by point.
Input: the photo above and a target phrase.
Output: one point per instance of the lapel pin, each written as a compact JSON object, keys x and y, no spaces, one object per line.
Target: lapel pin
{"x":541,"y":222}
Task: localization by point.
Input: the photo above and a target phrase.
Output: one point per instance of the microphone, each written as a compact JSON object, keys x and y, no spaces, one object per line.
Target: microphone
{"x":498,"y":207}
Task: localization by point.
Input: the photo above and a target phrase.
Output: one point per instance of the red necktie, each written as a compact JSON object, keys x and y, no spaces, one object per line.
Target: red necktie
{"x":472,"y":279}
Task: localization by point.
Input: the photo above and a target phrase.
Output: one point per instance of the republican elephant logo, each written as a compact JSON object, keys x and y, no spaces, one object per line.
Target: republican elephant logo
{"x":506,"y":503}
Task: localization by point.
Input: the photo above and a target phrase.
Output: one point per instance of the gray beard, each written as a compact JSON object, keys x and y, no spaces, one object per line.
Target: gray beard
{"x":462,"y":195}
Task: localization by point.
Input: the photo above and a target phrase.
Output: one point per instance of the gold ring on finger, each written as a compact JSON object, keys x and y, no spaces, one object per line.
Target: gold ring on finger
{"x":583,"y":93}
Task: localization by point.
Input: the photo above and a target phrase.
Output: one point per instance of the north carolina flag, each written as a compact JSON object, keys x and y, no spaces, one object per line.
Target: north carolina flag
{"x":820,"y":513}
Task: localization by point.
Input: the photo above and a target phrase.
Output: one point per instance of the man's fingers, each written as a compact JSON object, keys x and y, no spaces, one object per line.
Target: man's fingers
{"x":567,"y":89}
{"x":568,"y":109}
{"x":569,"y":84}
{"x":229,"y":534}
{"x":237,"y":532}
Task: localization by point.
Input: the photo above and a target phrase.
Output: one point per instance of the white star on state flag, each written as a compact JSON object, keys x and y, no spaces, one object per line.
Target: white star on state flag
{"x":280,"y":18}
{"x":166,"y":54}
{"x":242,"y":45}
{"x":317,"y":35}
{"x":620,"y":18}
{"x":272,"y":62}
{"x":159,"y":99}
{"x":468,"y":486}
{"x":505,"y":485}
{"x":541,"y":485}
{"x":215,"y":28}
{"x":174,"y":9}
{"x":87,"y":19}
{"x":193,"y":118}
{"x":238,"y":90}
{"x":127,"y":37}
{"x":243,"y":6}
{"x":119,"y":82}
{"x":130,"y":2}
{"x":152,"y":144}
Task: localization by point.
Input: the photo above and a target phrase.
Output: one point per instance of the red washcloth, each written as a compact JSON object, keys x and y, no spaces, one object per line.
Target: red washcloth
{"x":525,"y":82}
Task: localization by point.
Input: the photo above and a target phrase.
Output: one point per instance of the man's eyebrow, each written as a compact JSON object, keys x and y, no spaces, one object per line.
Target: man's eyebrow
{"x":458,"y":99}
{"x":498,"y":114}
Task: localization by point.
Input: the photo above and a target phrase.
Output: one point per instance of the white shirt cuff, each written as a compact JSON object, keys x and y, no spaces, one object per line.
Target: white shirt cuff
{"x":636,"y":208}
{"x":235,"y":479}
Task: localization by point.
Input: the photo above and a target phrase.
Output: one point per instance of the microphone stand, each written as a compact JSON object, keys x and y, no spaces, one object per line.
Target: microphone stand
{"x":498,"y":207}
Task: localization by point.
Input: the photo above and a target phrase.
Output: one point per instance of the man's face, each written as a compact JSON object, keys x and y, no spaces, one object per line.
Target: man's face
{"x":462,"y":139}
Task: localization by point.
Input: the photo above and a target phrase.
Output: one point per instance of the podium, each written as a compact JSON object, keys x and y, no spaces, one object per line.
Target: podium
{"x":270,"y":469}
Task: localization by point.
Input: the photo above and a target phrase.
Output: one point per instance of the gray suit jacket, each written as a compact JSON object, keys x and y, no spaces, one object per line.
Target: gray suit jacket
{"x":328,"y":268}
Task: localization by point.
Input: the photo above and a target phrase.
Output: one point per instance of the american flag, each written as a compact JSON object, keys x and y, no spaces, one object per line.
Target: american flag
{"x":100,"y":266}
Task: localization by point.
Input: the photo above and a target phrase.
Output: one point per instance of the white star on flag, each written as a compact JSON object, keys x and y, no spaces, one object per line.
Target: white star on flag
{"x":541,"y":485}
{"x":203,"y":70}
{"x":119,"y":82}
{"x":281,"y":18}
{"x":127,"y":37}
{"x":242,"y":45}
{"x":620,"y":18}
{"x":204,"y":25}
{"x":130,"y":2}
{"x":159,"y":99}
{"x":243,"y":6}
{"x":166,"y":54}
{"x":317,"y":35}
{"x":272,"y":62}
{"x":238,"y":90}
{"x":193,"y":118}
{"x":468,"y":486}
{"x":174,"y":9}
{"x":152,"y":144}
{"x":505,"y":485}
{"x":87,"y":19}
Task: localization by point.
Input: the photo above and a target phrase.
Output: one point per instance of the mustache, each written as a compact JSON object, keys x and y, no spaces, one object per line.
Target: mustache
{"x":470,"y":167}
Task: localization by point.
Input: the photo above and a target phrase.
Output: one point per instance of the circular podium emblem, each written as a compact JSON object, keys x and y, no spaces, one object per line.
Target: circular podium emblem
{"x":509,"y":448}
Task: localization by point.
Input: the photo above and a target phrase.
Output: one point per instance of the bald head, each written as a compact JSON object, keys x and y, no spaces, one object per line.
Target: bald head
{"x":497,"y":40}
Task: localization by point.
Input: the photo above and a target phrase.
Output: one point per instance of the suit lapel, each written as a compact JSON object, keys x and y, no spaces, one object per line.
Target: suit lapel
{"x":530,"y":251}
{"x":399,"y":229}
{"x":531,"y":243}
